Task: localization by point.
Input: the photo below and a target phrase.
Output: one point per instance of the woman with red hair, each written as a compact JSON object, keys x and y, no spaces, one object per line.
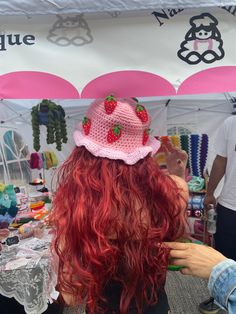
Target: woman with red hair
{"x":112,"y":211}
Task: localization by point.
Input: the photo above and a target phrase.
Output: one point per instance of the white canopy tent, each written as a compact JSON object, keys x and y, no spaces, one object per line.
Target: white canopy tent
{"x":196,"y":114}
{"x":34,"y":7}
{"x":193,"y":113}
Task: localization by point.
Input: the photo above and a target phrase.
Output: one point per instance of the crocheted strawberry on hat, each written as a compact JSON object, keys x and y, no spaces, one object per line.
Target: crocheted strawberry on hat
{"x":114,"y":134}
{"x":110,"y":104}
{"x":141,"y":113}
{"x":86,"y":125}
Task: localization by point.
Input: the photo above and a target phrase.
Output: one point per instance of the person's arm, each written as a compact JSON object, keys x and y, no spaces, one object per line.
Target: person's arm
{"x":222,"y":285}
{"x":205,"y":262}
{"x":217,"y":173}
{"x":198,"y":260}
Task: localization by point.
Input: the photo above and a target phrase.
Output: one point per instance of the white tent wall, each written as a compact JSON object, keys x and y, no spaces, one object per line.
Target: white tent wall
{"x":16,"y":115}
{"x":34,"y":7}
{"x":199,"y":114}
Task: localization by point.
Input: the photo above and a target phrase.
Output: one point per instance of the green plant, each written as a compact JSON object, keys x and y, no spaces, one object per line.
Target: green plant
{"x":52,"y":116}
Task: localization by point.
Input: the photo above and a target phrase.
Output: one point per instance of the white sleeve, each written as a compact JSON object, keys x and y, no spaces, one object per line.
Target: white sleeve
{"x":220,"y":145}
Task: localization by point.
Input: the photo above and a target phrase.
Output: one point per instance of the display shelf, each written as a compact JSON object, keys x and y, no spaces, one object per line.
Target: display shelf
{"x":198,"y":230}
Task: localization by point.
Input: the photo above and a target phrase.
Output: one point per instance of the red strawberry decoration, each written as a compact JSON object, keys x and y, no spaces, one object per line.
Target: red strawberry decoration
{"x":141,"y":113}
{"x":86,"y":125}
{"x":114,"y":134}
{"x":146,"y":136}
{"x":110,"y":104}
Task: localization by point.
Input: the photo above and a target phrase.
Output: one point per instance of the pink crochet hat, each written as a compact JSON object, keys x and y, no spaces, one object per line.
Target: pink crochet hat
{"x":117,"y":129}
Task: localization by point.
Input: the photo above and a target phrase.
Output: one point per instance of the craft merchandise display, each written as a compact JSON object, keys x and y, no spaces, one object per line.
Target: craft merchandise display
{"x":28,"y":271}
{"x":8,"y":204}
{"x":31,"y":209}
{"x":19,"y":206}
{"x":52,"y":116}
{"x":195,"y":205}
{"x":196,"y":184}
{"x":196,"y":146}
{"x":43,"y":160}
{"x":25,"y":253}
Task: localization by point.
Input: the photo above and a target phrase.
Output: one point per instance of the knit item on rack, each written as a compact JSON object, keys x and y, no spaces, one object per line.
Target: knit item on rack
{"x":196,"y":202}
{"x":34,"y":161}
{"x":204,"y":153}
{"x":165,"y":139}
{"x":54,"y":159}
{"x":44,"y":161}
{"x":48,"y":159}
{"x":195,"y":141}
{"x":175,"y":140}
{"x":40,"y":161}
{"x":197,"y":152}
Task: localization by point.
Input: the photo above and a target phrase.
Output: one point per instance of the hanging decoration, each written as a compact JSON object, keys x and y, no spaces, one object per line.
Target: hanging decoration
{"x":43,"y":160}
{"x":52,"y":116}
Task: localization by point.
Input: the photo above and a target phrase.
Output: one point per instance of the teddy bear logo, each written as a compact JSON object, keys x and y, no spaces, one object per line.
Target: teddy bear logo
{"x":70,"y":31}
{"x":203,"y":41}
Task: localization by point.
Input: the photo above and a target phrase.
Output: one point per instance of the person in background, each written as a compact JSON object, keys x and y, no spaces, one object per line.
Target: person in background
{"x":205,"y":262}
{"x":112,"y":211}
{"x":224,"y":165}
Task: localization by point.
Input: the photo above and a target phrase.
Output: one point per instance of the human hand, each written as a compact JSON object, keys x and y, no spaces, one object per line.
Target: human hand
{"x":198,"y":260}
{"x":209,"y":199}
{"x":176,"y":159}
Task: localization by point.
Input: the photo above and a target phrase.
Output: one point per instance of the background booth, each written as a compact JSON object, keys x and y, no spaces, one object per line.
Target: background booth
{"x":178,"y":58}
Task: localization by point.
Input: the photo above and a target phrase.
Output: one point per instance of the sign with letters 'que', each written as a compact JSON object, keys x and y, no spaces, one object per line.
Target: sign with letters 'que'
{"x":161,"y":52}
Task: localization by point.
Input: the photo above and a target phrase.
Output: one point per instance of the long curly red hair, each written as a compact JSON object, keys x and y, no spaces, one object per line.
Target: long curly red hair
{"x":110,"y":220}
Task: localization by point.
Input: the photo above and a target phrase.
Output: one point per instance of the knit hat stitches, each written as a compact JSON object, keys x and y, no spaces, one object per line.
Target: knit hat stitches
{"x":120,"y":133}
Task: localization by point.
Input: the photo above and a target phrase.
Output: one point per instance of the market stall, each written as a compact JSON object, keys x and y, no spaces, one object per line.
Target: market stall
{"x":57,"y":57}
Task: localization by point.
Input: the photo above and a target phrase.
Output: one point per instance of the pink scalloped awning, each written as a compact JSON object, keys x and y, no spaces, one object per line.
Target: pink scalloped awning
{"x":30,"y":85}
{"x":128,"y":84}
{"x":214,"y":80}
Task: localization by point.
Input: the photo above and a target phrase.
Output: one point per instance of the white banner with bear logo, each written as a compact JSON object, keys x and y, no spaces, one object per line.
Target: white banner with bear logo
{"x":34,"y":7}
{"x":158,"y":52}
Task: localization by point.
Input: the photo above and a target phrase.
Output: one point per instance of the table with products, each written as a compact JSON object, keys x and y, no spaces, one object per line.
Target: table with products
{"x":28,"y":274}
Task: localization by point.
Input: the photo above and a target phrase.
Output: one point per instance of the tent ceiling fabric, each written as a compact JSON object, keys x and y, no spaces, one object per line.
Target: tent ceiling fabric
{"x":34,"y":7}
